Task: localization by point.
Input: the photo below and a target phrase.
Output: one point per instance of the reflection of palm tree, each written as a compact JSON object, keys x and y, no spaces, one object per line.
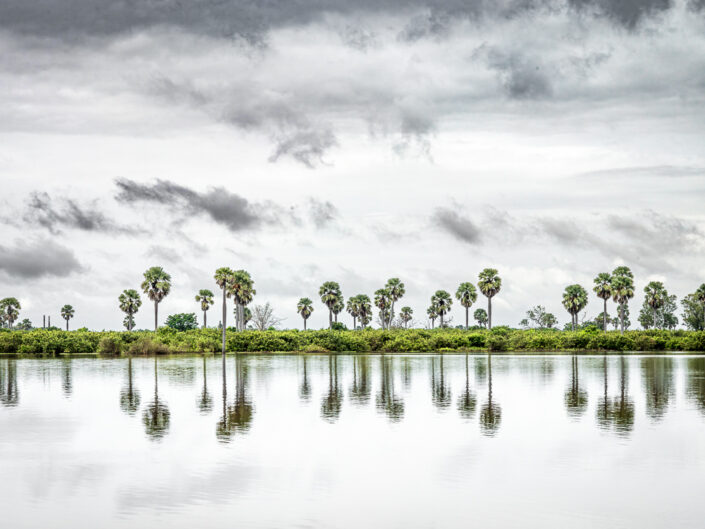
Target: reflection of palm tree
{"x":491,"y":412}
{"x":305,"y":387}
{"x":696,"y":382}
{"x":406,"y":378}
{"x":658,"y":382}
{"x":604,"y":405}
{"x":387,"y":401}
{"x":156,"y":415}
{"x":236,"y":418}
{"x":9,"y":394}
{"x":467,"y":401}
{"x":129,"y":397}
{"x":439,"y":388}
{"x":66,"y":378}
{"x":360,"y":389}
{"x":576,"y":399}
{"x":624,"y":406}
{"x":205,"y":401}
{"x":332,"y":402}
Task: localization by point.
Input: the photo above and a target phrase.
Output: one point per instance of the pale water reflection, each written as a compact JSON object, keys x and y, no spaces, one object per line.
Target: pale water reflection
{"x":353,"y":441}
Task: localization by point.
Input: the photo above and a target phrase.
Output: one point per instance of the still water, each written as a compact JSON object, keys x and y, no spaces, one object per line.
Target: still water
{"x":353,"y":441}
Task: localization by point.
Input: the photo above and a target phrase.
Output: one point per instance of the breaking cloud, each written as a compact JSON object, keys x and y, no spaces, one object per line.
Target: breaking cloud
{"x":457,"y":225}
{"x":36,"y":259}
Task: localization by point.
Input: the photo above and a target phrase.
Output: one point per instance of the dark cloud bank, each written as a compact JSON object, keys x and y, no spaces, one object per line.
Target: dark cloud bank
{"x":38,"y":258}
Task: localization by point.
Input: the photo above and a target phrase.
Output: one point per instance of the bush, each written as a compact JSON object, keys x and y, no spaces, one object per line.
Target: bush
{"x":110,"y":346}
{"x":497,"y":343}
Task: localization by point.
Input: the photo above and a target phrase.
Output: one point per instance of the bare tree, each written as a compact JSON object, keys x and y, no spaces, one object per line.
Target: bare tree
{"x":263,"y":317}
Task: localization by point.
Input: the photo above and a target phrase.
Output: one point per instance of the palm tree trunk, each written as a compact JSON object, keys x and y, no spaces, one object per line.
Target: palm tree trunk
{"x":204,"y":319}
{"x":330,"y":318}
{"x":354,"y":323}
{"x":304,"y":324}
{"x":466,"y":318}
{"x":441,"y":321}
{"x":653,"y":315}
{"x":489,"y":313}
{"x":604,"y":315}
{"x":621,"y":319}
{"x":67,"y":324}
{"x":223,"y":323}
{"x":156,"y":314}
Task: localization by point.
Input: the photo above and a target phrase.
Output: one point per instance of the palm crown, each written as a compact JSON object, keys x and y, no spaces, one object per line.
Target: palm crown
{"x":205,"y":296}
{"x":156,"y":284}
{"x":466,"y":294}
{"x":67,"y":312}
{"x":305,"y":308}
{"x":442,"y":300}
{"x":603,"y":285}
{"x":655,"y":294}
{"x":489,"y":282}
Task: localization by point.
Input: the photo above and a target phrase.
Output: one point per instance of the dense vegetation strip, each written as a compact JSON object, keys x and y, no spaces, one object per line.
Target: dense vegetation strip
{"x":166,"y":340}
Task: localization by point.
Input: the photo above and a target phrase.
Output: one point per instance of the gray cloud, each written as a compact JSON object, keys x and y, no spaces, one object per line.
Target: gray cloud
{"x":40,"y":210}
{"x":38,"y":258}
{"x":460,"y":227}
{"x":625,"y":12}
{"x":305,"y":146}
{"x":321,"y":212}
{"x":655,"y":171}
{"x":226,"y":208}
{"x":521,"y":76}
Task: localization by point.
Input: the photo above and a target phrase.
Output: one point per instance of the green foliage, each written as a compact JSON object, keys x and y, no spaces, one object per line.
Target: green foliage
{"x":182,"y":322}
{"x":337,"y":326}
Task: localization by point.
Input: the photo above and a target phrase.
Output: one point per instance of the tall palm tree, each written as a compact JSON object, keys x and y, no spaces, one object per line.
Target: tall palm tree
{"x":205,"y":296}
{"x":406,"y":314}
{"x":156,"y":284}
{"x":130,"y":302}
{"x":480,"y":316}
{"x":364,"y":310}
{"x":432,"y":312}
{"x":603,"y":289}
{"x":330,"y":295}
{"x":395,"y":289}
{"x":655,"y":296}
{"x":67,"y":313}
{"x":223,"y":277}
{"x":467,"y":295}
{"x":700,"y":297}
{"x":574,"y":300}
{"x":243,"y":291}
{"x":338,"y":308}
{"x":442,"y":300}
{"x":383,"y":303}
{"x":622,"y":290}
{"x":489,"y":284}
{"x":305,"y":308}
{"x":10,"y":310}
{"x":353,"y":308}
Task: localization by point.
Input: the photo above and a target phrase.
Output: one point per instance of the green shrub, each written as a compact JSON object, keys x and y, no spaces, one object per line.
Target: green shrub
{"x":110,"y":346}
{"x":497,"y":343}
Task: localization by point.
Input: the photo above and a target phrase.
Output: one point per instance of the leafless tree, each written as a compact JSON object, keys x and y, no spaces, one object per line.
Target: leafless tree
{"x":263,"y":317}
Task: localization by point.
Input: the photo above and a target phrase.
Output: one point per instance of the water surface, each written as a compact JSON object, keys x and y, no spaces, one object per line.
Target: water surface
{"x":353,"y":441}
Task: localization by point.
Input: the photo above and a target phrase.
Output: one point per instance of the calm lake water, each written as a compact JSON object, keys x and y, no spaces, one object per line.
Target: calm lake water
{"x":353,"y":442}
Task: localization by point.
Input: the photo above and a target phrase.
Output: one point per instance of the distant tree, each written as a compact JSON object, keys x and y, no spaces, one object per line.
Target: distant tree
{"x":432,"y":312}
{"x":693,"y":312}
{"x":700,"y":298}
{"x":602,"y":320}
{"x":395,"y":290}
{"x":622,"y":290}
{"x":353,"y":308}
{"x":442,"y":300}
{"x":305,"y":308}
{"x":330,"y":295}
{"x":537,"y":316}
{"x":466,"y":295}
{"x":10,"y":310}
{"x":406,"y":314}
{"x":205,"y":296}
{"x":67,"y":313}
{"x":183,"y":321}
{"x":575,"y":299}
{"x":603,"y":289}
{"x":663,"y":318}
{"x":655,"y":297}
{"x":480,"y":316}
{"x":364,"y":310}
{"x":263,"y":317}
{"x":223,"y":278}
{"x":24,"y":325}
{"x":489,"y":284}
{"x":130,"y":302}
{"x":383,"y":303}
{"x":246,"y":315}
{"x":338,"y":308}
{"x":157,"y":285}
{"x":241,"y":288}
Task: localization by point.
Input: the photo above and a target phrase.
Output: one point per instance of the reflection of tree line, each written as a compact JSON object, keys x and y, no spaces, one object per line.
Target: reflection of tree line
{"x":236,"y":417}
{"x":9,"y":393}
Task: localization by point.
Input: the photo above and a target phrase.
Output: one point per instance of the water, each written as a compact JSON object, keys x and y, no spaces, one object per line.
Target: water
{"x":353,"y":441}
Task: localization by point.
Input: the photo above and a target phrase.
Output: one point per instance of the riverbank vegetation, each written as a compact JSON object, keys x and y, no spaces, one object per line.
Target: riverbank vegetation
{"x":168,"y":341}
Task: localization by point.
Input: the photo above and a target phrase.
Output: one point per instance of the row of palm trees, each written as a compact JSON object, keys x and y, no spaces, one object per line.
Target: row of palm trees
{"x":10,"y":311}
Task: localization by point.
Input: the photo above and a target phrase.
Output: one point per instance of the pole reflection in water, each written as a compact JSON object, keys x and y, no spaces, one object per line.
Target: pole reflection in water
{"x":361,"y":387}
{"x":205,"y":401}
{"x":440,"y":390}
{"x":129,"y":396}
{"x":333,"y":401}
{"x":156,"y":416}
{"x":9,"y":394}
{"x":305,"y":386}
{"x":491,"y":412}
{"x":236,"y":418}
{"x":66,"y":378}
{"x":658,"y":385}
{"x":467,"y":401}
{"x":576,"y":398}
{"x":387,"y":401}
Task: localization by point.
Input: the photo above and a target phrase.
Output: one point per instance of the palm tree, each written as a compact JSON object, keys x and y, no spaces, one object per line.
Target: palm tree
{"x":406,"y":314}
{"x":305,"y":308}
{"x":330,"y":295}
{"x":574,"y":300}
{"x":467,"y":295}
{"x":130,"y":302}
{"x":489,"y":284}
{"x":10,"y":310}
{"x":67,"y":313}
{"x":442,"y":300}
{"x":432,"y":312}
{"x":383,"y":303}
{"x":364,"y":310}
{"x":395,"y":290}
{"x":156,"y":284}
{"x":205,"y":296}
{"x":223,"y":277}
{"x":242,"y":290}
{"x":655,"y":297}
{"x":603,"y":289}
{"x":700,"y":297}
{"x":353,"y":308}
{"x":480,"y":316}
{"x":622,"y":290}
{"x":338,"y":308}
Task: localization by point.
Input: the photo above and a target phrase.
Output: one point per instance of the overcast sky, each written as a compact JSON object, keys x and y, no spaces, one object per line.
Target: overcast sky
{"x":307,"y":141}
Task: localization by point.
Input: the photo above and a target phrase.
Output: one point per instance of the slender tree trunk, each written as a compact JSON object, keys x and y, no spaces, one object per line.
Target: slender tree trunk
{"x":441,"y":320}
{"x":653,"y":315}
{"x":156,"y":315}
{"x":204,"y":320}
{"x":335,"y":315}
{"x":330,"y":318}
{"x":354,"y":323}
{"x":67,"y":324}
{"x":467,"y":326}
{"x":604,"y":315}
{"x":225,"y":313}
{"x":621,"y":318}
{"x":304,"y":324}
{"x":489,"y":313}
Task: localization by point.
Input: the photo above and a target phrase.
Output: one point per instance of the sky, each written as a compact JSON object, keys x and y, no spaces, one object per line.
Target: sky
{"x":312,"y":141}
